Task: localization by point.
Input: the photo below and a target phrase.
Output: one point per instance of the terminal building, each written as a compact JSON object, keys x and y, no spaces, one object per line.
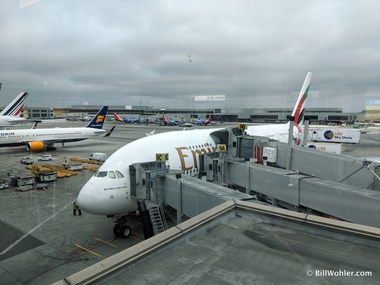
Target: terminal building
{"x":152,"y":115}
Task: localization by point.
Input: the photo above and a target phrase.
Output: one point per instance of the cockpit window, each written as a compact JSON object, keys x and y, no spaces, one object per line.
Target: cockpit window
{"x":118,"y":174}
{"x":102,"y":174}
{"x":111,"y":174}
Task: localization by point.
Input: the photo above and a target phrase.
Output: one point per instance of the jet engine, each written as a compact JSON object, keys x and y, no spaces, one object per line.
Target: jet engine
{"x":35,"y":146}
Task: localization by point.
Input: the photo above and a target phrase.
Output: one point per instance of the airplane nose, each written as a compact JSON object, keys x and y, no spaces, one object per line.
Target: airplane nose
{"x":86,"y":199}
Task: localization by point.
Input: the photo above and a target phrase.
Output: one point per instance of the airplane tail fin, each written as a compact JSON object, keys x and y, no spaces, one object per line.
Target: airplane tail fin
{"x":117,"y":117}
{"x":299,"y":108}
{"x":164,"y":119}
{"x":35,"y":124}
{"x":98,"y":121}
{"x":208,"y":121}
{"x":16,"y":106}
{"x":109,"y":132}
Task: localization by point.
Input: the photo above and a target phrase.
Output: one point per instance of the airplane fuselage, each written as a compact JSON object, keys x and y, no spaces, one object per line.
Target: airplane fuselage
{"x":108,"y":191}
{"x":279,"y":132}
{"x":55,"y":135}
{"x":7,"y":121}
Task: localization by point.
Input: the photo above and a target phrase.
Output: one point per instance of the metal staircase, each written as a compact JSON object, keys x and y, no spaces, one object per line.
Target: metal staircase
{"x":157,"y":218}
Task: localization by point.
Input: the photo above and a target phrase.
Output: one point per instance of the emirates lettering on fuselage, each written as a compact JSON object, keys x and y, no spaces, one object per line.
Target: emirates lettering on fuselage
{"x":184,"y":152}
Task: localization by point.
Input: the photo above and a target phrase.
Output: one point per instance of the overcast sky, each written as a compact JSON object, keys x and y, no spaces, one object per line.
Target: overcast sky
{"x":163,"y":53}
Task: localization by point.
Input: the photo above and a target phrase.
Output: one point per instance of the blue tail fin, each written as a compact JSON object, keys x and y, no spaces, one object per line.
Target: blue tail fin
{"x":98,"y":121}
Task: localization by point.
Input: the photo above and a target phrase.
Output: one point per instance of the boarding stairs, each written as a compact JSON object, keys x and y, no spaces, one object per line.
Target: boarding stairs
{"x":157,"y":218}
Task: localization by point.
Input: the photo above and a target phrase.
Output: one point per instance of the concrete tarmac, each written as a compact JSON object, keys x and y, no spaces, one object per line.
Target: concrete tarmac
{"x":41,"y":240}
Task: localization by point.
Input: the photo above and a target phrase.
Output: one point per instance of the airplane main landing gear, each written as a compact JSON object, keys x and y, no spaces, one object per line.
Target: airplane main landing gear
{"x":121,"y":229}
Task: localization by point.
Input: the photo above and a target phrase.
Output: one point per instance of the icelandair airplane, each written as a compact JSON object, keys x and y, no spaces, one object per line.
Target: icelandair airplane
{"x":44,"y":139}
{"x":280,"y":132}
{"x":10,"y":116}
{"x":108,"y":192}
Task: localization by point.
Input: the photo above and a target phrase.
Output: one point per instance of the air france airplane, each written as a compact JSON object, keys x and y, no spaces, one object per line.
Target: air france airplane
{"x":10,"y":116}
{"x":44,"y":139}
{"x":108,"y":192}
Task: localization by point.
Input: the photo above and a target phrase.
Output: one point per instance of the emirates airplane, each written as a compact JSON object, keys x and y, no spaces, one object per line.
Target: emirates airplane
{"x":44,"y":139}
{"x":108,"y":192}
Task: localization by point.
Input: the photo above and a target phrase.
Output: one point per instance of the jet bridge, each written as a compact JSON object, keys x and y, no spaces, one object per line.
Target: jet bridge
{"x":153,"y":187}
{"x":300,"y":178}
{"x":279,"y":174}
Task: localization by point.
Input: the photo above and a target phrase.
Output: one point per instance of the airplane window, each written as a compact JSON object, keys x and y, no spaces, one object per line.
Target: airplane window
{"x":96,"y":173}
{"x":102,"y":174}
{"x":111,"y":174}
{"x":118,"y":174}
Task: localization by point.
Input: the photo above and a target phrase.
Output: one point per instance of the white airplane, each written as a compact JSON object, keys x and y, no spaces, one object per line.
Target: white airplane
{"x":108,"y":192}
{"x":44,"y":139}
{"x":280,"y":132}
{"x":10,"y":116}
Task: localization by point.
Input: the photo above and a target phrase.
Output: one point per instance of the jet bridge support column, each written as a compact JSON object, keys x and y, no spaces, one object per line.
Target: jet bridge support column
{"x":306,"y":131}
{"x":145,"y":220}
{"x":290,"y":141}
{"x":179,"y":210}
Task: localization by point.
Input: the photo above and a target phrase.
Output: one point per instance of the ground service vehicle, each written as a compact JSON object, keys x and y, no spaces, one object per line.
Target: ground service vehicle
{"x":98,"y":156}
{"x":26,"y":160}
{"x":45,"y":157}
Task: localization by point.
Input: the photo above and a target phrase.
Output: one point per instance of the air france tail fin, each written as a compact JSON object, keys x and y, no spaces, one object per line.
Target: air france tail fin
{"x":299,"y":108}
{"x":98,"y":121}
{"x":16,"y":106}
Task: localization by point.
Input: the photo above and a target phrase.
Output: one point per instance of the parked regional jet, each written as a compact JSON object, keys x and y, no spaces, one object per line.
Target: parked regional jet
{"x":108,"y":192}
{"x":126,"y":120}
{"x":10,"y":116}
{"x":42,"y":139}
{"x":280,"y":132}
{"x":168,"y":122}
{"x":204,"y":121}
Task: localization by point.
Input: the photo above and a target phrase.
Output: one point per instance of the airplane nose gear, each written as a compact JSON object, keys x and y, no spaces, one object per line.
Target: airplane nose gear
{"x":121,"y":229}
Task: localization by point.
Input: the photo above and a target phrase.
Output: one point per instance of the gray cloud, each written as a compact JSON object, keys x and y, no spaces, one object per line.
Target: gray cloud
{"x":257,"y":53}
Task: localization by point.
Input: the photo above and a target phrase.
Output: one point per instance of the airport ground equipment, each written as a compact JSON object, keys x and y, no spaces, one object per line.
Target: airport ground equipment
{"x":60,"y":171}
{"x":335,"y":135}
{"x":3,"y":184}
{"x":19,"y":180}
{"x":71,"y":165}
{"x":41,"y":186}
{"x":46,"y":175}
